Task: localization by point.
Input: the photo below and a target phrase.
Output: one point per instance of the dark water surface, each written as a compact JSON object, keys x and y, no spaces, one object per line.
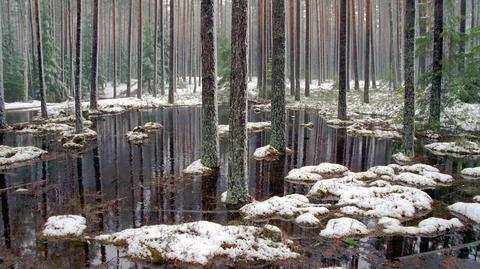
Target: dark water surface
{"x":118,"y":186}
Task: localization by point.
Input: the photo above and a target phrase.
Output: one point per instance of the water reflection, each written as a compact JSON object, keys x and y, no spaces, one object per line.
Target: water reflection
{"x":116,"y":185}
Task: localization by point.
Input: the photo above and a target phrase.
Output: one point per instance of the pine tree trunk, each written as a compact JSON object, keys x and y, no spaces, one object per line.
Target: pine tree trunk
{"x":297,"y":49}
{"x":307,"y":48}
{"x":277,"y":138}
{"x":129,"y":50}
{"x":94,"y":74}
{"x":391,"y":72}
{"x":354,"y":44}
{"x":41,"y":70}
{"x":342,"y":83}
{"x":237,"y":164}
{"x":3,"y":116}
{"x":162,"y":64}
{"x":210,"y":143}
{"x":172,"y":79}
{"x":422,"y":28}
{"x":436,"y":90}
{"x":70,"y":41}
{"x":260,"y":45}
{"x":78,"y":71}
{"x":372,"y":53}
{"x":463,"y":20}
{"x":140,"y":52}
{"x":114,"y":29}
{"x":291,"y":10}
{"x":366,"y":97}
{"x":32,"y":38}
{"x":23,"y":11}
{"x":409,"y":58}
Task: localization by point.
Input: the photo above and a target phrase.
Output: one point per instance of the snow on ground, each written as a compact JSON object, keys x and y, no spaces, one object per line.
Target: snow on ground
{"x":315,"y":173}
{"x":307,"y":219}
{"x":473,"y":172}
{"x":266,"y":152}
{"x":468,"y":210}
{"x":287,"y":207}
{"x":252,"y":127}
{"x":140,"y":134}
{"x":401,"y":158}
{"x":64,"y":226}
{"x":456,"y":149}
{"x":462,"y":115}
{"x":200,"y":242}
{"x":476,"y":198}
{"x":197,"y":168}
{"x":344,"y":227}
{"x":12,"y":155}
{"x":74,"y":141}
{"x":427,"y":227}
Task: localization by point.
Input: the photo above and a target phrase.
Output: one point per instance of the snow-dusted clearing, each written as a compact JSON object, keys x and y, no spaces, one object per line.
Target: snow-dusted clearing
{"x":344,"y":227}
{"x":456,"y":149}
{"x":12,"y":155}
{"x":471,"y":172}
{"x":470,"y":211}
{"x":64,"y":226}
{"x":427,"y":227}
{"x":201,"y":242}
{"x":197,"y":168}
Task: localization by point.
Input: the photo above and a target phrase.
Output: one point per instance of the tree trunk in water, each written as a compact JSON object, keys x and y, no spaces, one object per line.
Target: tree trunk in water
{"x":210,"y":142}
{"x":307,"y":48}
{"x":297,"y":50}
{"x":366,"y":97}
{"x":94,"y":75}
{"x":436,"y":90}
{"x":3,"y":118}
{"x":172,"y":79}
{"x":354,"y":44}
{"x":78,"y":72}
{"x":291,"y":10}
{"x":237,"y":169}
{"x":342,"y":83}
{"x":129,"y":50}
{"x":41,"y":70}
{"x":140,"y":53}
{"x":277,"y":138}
{"x":114,"y":29}
{"x":409,"y":74}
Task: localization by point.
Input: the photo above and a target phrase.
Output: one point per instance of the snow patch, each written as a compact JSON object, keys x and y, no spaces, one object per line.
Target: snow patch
{"x":266,"y":152}
{"x":197,"y":168}
{"x":454,"y":148}
{"x":64,"y":226}
{"x":344,"y":227}
{"x":471,"y":172}
{"x":468,"y":210}
{"x":11,"y":155}
{"x":315,"y":173}
{"x":427,"y":227}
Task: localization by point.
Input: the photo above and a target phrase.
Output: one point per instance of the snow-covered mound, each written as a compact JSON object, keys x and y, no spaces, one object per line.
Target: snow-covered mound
{"x":471,"y":172}
{"x":266,"y":152}
{"x":252,"y":127}
{"x":11,"y":155}
{"x":464,"y":148}
{"x":64,"y":226}
{"x":315,"y":173}
{"x":470,"y":211}
{"x":197,"y":168}
{"x":140,"y":134}
{"x":200,"y":242}
{"x":427,"y":227}
{"x":344,"y":227}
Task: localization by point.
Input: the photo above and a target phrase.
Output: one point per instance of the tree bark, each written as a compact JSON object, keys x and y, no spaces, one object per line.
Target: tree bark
{"x":78,"y":72}
{"x":140,"y":52}
{"x":260,"y":45}
{"x":210,"y":142}
{"x":436,"y":90}
{"x":237,"y":169}
{"x":409,"y":74}
{"x":114,"y":29}
{"x":307,"y":48}
{"x":3,"y":117}
{"x":463,"y":20}
{"x":354,"y":44}
{"x":372,"y":53}
{"x":391,"y":72}
{"x":292,"y":46}
{"x":41,"y":70}
{"x":94,"y":74}
{"x":366,"y":97}
{"x":129,"y":50}
{"x":342,"y":83}
{"x":172,"y":79}
{"x":297,"y":50}
{"x":162,"y":64}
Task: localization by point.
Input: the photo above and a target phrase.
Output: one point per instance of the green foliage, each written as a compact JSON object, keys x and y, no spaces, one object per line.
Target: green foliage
{"x":351,"y":243}
{"x":224,"y":62}
{"x":12,"y":72}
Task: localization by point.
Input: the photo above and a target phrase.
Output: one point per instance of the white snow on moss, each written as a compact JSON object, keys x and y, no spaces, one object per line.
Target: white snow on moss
{"x":401,"y":158}
{"x":419,"y":168}
{"x":136,"y":137}
{"x":454,"y":148}
{"x":11,"y":155}
{"x":415,"y":180}
{"x":476,"y":198}
{"x":266,"y":152}
{"x":471,"y":172}
{"x":200,"y":242}
{"x":307,"y":219}
{"x":315,"y":173}
{"x":197,"y":168}
{"x":427,"y":227}
{"x":251,"y":127}
{"x":288,"y":207}
{"x":468,"y":210}
{"x":344,"y":227}
{"x":64,"y":226}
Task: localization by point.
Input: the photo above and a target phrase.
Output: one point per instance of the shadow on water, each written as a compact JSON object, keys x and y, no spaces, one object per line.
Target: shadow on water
{"x":116,"y":185}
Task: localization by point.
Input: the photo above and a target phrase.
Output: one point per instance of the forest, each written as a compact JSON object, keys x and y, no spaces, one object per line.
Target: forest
{"x":239,"y":133}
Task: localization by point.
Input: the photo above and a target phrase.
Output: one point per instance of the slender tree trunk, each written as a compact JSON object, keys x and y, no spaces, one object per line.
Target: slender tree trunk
{"x":23,"y":11}
{"x":210,"y":143}
{"x":41,"y":70}
{"x":172,"y":80}
{"x":366,"y":97}
{"x":237,"y":164}
{"x":140,"y":52}
{"x":307,"y":48}
{"x":409,"y":73}
{"x":3,"y":116}
{"x":260,"y":45}
{"x":277,"y":138}
{"x":342,"y":83}
{"x":372,"y":52}
{"x":94,"y":74}
{"x":114,"y":29}
{"x":162,"y":64}
{"x":32,"y":38}
{"x":155,"y":53}
{"x":463,"y":20}
{"x":70,"y":41}
{"x":391,"y":72}
{"x":291,"y":10}
{"x":129,"y":50}
{"x":354,"y":44}
{"x":436,"y":90}
{"x":78,"y":72}
{"x":297,"y":50}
